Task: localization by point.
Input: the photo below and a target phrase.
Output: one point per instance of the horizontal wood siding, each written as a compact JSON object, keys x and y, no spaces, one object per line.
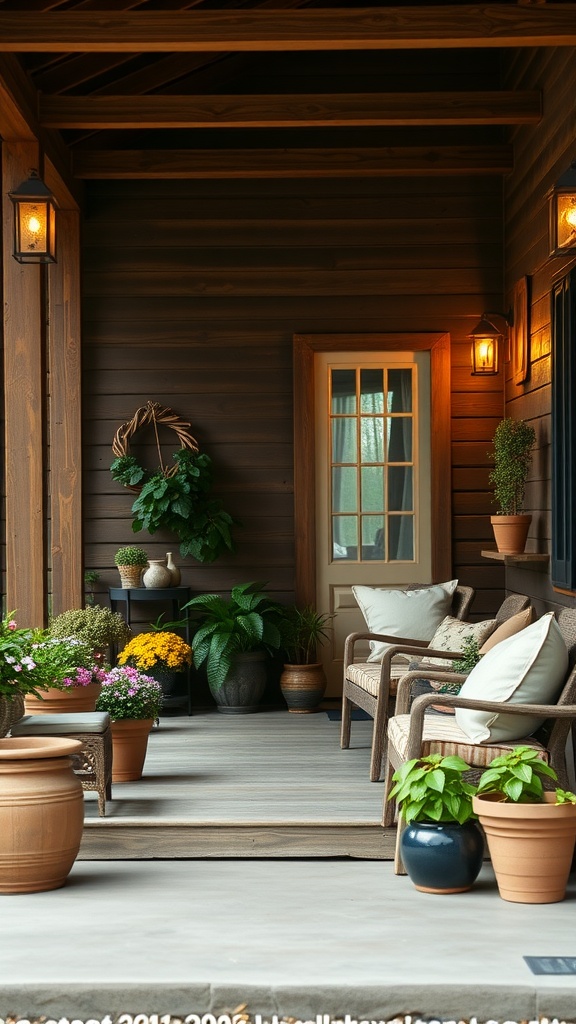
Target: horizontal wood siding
{"x":541,"y":156}
{"x":192,"y":294}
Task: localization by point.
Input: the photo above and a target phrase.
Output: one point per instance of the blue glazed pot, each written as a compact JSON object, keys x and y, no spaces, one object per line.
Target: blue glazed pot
{"x":442,"y":858}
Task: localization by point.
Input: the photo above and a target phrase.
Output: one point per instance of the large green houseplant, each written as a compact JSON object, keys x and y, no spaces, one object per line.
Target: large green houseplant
{"x":233,"y":639}
{"x":513,"y":443}
{"x":441,"y":845}
{"x":530,"y":832}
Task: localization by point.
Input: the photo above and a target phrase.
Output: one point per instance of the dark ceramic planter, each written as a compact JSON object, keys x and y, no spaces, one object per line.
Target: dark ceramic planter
{"x":241,"y":691}
{"x":442,"y":858}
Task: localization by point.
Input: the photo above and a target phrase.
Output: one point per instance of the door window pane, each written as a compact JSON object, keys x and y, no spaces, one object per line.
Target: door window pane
{"x":400,"y":492}
{"x":344,"y":489}
{"x":344,"y":439}
{"x":401,"y":538}
{"x":372,"y":480}
{"x":343,"y":391}
{"x":372,"y":390}
{"x":400,"y":439}
{"x":373,"y":537}
{"x":399,"y":391}
{"x":372,"y":439}
{"x":345,"y":538}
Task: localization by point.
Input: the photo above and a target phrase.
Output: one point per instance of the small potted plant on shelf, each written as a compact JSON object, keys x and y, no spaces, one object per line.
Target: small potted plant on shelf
{"x":233,"y":640}
{"x":131,"y":562}
{"x":303,"y":680}
{"x":160,"y":654}
{"x":441,"y":845}
{"x":95,"y":625}
{"x":133,"y":701}
{"x":530,"y":832}
{"x":513,"y":443}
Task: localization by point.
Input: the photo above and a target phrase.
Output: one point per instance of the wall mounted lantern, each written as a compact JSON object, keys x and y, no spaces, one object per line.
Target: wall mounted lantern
{"x":485,"y":339}
{"x":562,"y":213}
{"x":34,"y":221}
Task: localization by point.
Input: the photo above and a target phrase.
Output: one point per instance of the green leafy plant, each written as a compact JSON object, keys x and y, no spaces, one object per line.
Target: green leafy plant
{"x":470,"y":655}
{"x":517,"y":777}
{"x":179,"y":503}
{"x":513,"y":443}
{"x":303,"y":629}
{"x":131,"y":556}
{"x":248,"y":621}
{"x":91,"y":578}
{"x":433,"y":789}
{"x":94,"y":624}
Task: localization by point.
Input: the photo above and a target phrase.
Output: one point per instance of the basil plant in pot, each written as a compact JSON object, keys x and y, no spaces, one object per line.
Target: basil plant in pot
{"x":233,"y":639}
{"x":303,"y":679}
{"x":513,"y":443}
{"x":530,"y":832}
{"x":441,"y":845}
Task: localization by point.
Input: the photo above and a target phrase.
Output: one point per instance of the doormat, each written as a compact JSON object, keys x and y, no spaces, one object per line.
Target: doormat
{"x":551,"y":964}
{"x":358,"y":715}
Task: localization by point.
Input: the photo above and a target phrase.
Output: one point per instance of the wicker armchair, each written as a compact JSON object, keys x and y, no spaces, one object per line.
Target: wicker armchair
{"x":372,"y":686}
{"x":412,"y":733}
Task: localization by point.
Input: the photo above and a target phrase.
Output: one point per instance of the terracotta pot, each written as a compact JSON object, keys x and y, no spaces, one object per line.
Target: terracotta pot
{"x":129,"y":745}
{"x":11,"y":711}
{"x":531,"y":846}
{"x":58,"y":702}
{"x":511,"y":533}
{"x":303,"y":687}
{"x":41,"y":812}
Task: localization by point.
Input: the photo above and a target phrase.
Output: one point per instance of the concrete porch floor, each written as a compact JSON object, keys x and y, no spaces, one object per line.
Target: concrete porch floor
{"x":289,"y":937}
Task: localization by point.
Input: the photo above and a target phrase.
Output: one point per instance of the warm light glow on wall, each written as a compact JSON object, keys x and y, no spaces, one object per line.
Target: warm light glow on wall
{"x":485,"y":356}
{"x":34,"y":222}
{"x":562,"y":213}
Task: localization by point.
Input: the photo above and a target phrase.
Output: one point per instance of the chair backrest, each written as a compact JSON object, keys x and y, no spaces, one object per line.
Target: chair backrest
{"x":566,"y":619}
{"x":510,"y":606}
{"x":461,"y":601}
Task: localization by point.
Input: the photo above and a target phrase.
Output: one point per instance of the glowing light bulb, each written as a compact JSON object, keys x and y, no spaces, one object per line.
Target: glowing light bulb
{"x":34,"y":225}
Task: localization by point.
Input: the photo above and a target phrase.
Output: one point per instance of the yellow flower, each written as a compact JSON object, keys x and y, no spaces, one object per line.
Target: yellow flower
{"x":147,"y":650}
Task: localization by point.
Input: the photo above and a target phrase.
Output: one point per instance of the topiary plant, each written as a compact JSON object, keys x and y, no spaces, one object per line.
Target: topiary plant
{"x":94,"y":624}
{"x":131,"y":556}
{"x":513,"y":442}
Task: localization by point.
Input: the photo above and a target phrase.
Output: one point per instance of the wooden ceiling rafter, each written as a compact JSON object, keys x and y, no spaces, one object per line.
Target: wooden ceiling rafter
{"x":461,"y":26}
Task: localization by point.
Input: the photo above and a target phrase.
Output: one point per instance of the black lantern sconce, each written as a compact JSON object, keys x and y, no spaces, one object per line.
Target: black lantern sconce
{"x":562,"y":213}
{"x":34,"y":221}
{"x":486,"y":338}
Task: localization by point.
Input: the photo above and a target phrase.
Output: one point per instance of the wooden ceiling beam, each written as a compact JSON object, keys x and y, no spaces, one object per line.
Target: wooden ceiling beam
{"x":294,"y":163}
{"x":402,"y":27}
{"x":291,"y":111}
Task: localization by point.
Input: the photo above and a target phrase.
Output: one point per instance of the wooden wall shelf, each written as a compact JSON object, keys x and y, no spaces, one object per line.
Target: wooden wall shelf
{"x":526,"y":558}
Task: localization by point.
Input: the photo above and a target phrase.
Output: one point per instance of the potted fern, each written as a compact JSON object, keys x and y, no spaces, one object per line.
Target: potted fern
{"x":513,"y":443}
{"x":303,"y":679}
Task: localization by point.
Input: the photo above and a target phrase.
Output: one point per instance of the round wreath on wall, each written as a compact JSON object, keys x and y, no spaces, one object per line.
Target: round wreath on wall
{"x":174,"y":497}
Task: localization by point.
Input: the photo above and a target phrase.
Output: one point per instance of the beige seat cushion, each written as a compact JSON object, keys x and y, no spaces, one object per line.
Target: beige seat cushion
{"x":367,"y":675}
{"x":442,"y":735}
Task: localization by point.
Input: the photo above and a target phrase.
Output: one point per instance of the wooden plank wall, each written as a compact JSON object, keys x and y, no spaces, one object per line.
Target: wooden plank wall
{"x":542,"y":154}
{"x":192,"y":294}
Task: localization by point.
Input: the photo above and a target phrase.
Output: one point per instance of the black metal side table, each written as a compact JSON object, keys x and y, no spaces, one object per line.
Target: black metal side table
{"x":177,"y":596}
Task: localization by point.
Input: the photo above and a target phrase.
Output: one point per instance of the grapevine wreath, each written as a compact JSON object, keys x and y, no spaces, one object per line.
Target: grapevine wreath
{"x":174,"y":497}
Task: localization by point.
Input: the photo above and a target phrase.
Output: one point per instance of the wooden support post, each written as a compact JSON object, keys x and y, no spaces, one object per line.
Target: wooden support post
{"x":64,"y":417}
{"x":24,"y":403}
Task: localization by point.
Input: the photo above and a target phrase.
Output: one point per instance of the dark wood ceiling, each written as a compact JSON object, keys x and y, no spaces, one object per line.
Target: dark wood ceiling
{"x":190,"y":88}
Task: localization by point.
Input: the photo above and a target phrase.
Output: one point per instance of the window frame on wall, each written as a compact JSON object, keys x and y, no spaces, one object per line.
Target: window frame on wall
{"x":563,"y":320}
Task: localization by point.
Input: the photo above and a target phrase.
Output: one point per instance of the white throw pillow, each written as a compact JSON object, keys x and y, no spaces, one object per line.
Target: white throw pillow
{"x":451,"y":634}
{"x":413,"y":614}
{"x":527,"y":668}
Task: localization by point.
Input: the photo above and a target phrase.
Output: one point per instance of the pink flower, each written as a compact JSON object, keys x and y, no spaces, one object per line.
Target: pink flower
{"x":12,"y":625}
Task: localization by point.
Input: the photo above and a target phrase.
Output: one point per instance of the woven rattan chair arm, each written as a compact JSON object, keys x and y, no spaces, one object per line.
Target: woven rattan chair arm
{"x":398,"y":641}
{"x":404,"y":688}
{"x":450,"y":700}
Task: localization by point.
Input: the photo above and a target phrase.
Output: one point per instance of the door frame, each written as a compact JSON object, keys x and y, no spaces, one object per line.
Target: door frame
{"x":304,"y":347}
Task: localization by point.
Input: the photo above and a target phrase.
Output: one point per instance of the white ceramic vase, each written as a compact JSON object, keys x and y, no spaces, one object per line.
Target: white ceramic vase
{"x":157,"y":575}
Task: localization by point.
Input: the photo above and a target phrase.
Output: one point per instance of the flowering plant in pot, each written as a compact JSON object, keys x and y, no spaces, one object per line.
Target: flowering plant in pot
{"x":161,"y":654}
{"x":303,"y":680}
{"x":65,"y":673}
{"x":97,"y":626}
{"x":16,"y":666}
{"x":530,"y":832}
{"x":133,"y":700}
{"x":435,"y":801}
{"x":513,"y":443}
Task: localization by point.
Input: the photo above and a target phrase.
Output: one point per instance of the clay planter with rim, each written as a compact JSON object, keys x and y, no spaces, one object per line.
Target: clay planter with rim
{"x":11,"y":711}
{"x":531,"y":846}
{"x":58,"y":702}
{"x":129,"y":746}
{"x":41,"y":812}
{"x":511,"y":533}
{"x":303,"y":687}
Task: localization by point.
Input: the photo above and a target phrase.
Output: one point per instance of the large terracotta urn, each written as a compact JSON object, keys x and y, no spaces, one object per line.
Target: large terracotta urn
{"x":41,"y":812}
{"x":58,"y":702}
{"x":129,"y":746}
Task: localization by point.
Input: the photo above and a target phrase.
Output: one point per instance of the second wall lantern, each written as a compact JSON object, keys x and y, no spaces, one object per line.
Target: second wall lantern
{"x":485,"y":338}
{"x":562,"y":214}
{"x":34,"y":221}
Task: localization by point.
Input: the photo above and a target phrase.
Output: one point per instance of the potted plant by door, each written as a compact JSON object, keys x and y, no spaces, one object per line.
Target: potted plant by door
{"x":131,"y":563}
{"x":303,"y":680}
{"x":441,"y":845}
{"x":133,"y":701}
{"x":233,"y":640}
{"x":513,"y":443}
{"x":530,"y":832}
